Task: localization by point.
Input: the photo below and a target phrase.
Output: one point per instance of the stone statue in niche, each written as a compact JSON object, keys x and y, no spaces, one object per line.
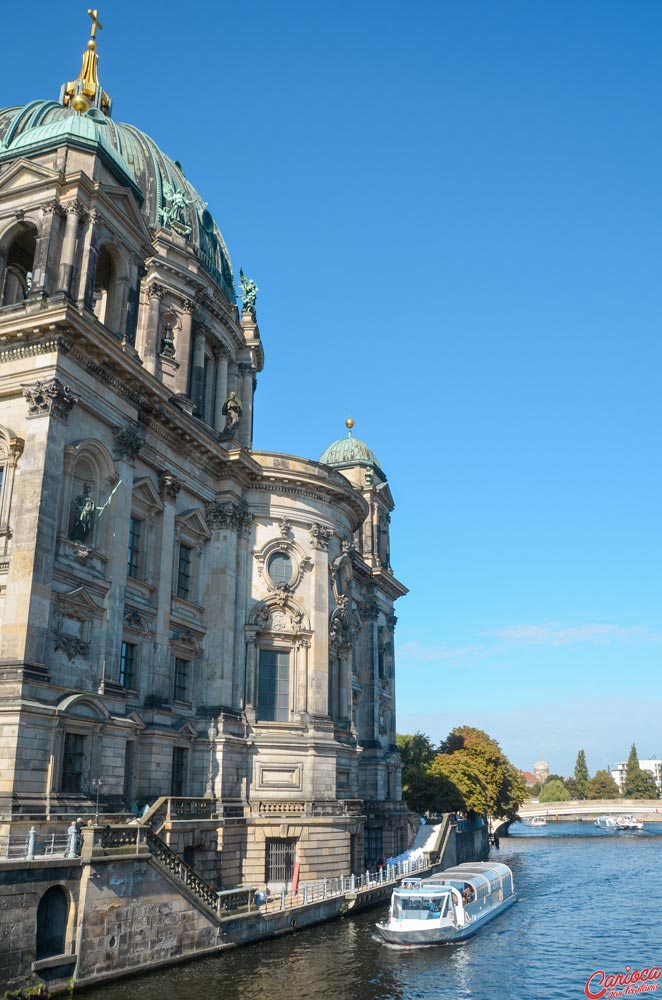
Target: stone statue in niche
{"x":86,"y":512}
{"x":232,"y":411}
{"x":85,"y":509}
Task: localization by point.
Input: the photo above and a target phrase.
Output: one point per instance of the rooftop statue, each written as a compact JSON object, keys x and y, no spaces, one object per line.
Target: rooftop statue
{"x":175,"y":201}
{"x":249,"y":292}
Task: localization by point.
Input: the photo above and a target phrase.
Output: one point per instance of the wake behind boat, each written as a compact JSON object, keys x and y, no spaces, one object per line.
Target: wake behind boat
{"x":449,"y":906}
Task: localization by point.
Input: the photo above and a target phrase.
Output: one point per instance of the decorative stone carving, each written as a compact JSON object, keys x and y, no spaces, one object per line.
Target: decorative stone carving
{"x":169,"y":485}
{"x":75,"y":207}
{"x":285,"y":526}
{"x":49,"y":398}
{"x":320,"y":535}
{"x":135,"y":621}
{"x":155,"y":290}
{"x":227,"y":514}
{"x":127,"y":443}
{"x":70,"y":645}
{"x":369,"y":610}
{"x":392,"y":621}
{"x":189,"y":306}
{"x":48,"y":207}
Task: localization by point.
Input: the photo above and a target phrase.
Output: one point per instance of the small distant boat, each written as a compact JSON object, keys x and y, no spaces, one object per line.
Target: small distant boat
{"x":535,"y":821}
{"x":449,"y":906}
{"x":629,"y":822}
{"x":615,"y":823}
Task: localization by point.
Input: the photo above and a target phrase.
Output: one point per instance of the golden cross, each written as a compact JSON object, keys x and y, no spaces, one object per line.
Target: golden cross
{"x":96,"y":23}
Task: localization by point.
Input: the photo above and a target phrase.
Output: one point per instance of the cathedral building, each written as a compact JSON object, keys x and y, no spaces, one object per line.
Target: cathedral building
{"x":187,"y":623}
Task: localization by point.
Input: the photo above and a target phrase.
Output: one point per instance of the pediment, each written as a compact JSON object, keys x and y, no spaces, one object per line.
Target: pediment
{"x":145,"y":492}
{"x":23,"y":173}
{"x":124,"y":202}
{"x":193,"y":521}
{"x":136,"y":720}
{"x":188,"y":729}
{"x":79,"y":603}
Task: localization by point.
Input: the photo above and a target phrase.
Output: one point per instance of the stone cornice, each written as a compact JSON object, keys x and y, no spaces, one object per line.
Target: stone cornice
{"x":62,"y":327}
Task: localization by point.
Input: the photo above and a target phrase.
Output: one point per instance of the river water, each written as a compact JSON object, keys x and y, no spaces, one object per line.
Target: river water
{"x":588,"y":900}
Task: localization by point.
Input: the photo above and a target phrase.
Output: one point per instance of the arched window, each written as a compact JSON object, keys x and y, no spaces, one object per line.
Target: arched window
{"x":20,"y":262}
{"x":52,"y":915}
{"x":104,"y":287}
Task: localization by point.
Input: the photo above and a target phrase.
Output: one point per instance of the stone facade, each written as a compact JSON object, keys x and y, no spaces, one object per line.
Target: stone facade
{"x":181,"y":616}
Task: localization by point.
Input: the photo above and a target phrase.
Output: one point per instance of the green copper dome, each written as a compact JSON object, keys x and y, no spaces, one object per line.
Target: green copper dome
{"x":349,"y":451}
{"x":166,"y":197}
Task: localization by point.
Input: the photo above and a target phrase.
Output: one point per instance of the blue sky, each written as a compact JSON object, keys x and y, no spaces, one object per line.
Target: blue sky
{"x":452,"y":211}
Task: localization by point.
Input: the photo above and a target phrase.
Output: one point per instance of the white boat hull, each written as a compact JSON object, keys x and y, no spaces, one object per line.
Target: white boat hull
{"x":446,"y":933}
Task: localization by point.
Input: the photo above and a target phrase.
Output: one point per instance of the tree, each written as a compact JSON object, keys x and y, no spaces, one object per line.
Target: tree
{"x":581,"y":775}
{"x":473,"y":765}
{"x":638,"y":784}
{"x":602,"y":786}
{"x":418,"y":786}
{"x":554,"y":791}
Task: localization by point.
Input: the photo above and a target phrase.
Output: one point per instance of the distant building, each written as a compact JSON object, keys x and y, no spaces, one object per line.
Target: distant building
{"x":653,"y":766}
{"x":541,"y":768}
{"x":529,"y":779}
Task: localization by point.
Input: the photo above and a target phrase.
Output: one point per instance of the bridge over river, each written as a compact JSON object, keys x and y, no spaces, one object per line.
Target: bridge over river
{"x":647,"y":810}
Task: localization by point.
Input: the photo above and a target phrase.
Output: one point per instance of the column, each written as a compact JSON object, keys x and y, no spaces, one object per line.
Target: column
{"x":24,"y":631}
{"x":40,"y":282}
{"x":344,"y":686}
{"x":225,"y":520}
{"x":301,"y":675}
{"x":221,"y":387}
{"x":246,"y":373}
{"x":183,"y":347}
{"x":152,"y":334}
{"x":74,"y":210}
{"x":250,"y":695}
{"x":210,"y":384}
{"x":127,"y":445}
{"x":169,"y":487}
{"x":318,"y":673}
{"x":89,"y":258}
{"x":198,"y":370}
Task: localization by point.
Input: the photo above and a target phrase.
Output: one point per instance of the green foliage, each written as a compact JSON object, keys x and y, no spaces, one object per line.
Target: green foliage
{"x":638,"y":784}
{"x":476,"y":776}
{"x":581,"y":775}
{"x":575,"y":789}
{"x":553,"y":777}
{"x":602,"y":786}
{"x":534,"y":790}
{"x":554,"y":791}
{"x":418,"y":787}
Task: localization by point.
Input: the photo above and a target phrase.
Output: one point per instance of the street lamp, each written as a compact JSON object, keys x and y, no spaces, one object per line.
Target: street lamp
{"x":97,"y":783}
{"x":212,"y":733}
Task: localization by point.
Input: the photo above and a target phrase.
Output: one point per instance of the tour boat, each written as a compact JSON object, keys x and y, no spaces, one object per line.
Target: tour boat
{"x":535,"y":821}
{"x":616,"y":823}
{"x":449,"y":906}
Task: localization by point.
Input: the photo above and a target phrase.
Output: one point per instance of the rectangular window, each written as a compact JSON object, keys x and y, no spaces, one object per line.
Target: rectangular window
{"x":280,"y":856}
{"x":181,"y":679}
{"x":128,"y":658}
{"x":273,"y":686}
{"x":133,"y":557}
{"x":72,"y":762}
{"x":184,"y":572}
{"x":373,"y":845}
{"x":178,"y":771}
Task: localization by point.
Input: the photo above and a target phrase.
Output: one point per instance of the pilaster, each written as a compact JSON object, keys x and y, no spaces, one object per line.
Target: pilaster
{"x":28,"y":598}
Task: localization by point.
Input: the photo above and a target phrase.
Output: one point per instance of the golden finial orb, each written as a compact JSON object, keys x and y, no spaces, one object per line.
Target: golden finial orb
{"x":92,"y":45}
{"x":80,"y":103}
{"x":349,"y":423}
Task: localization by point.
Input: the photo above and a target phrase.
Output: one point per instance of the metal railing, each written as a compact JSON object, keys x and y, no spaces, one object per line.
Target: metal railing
{"x":31,"y":845}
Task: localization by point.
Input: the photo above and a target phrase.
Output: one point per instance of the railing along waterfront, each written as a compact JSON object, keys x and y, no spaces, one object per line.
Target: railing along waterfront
{"x":33,"y":845}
